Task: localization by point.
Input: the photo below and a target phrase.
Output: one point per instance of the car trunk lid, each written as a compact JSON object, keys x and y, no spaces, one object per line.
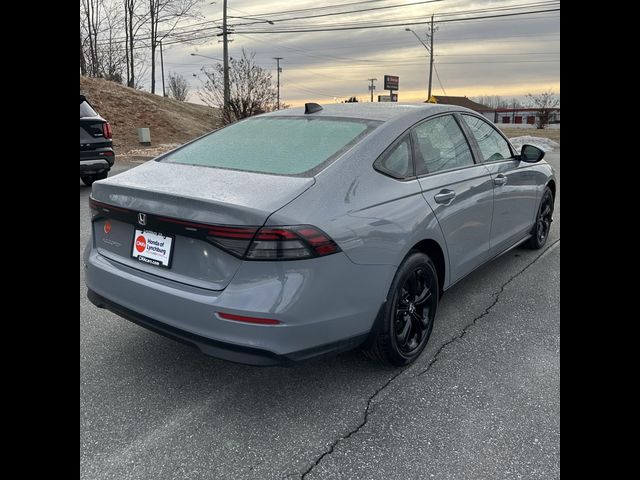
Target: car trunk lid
{"x":185,"y":203}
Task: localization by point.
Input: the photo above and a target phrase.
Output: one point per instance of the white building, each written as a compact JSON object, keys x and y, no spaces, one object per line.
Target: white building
{"x":522,"y":116}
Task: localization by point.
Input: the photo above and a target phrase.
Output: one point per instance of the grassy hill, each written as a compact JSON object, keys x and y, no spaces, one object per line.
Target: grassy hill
{"x":171,"y":122}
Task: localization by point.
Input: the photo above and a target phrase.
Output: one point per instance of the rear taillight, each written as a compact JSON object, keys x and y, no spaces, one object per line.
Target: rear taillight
{"x":106,"y":130}
{"x":235,"y":240}
{"x":289,"y":243}
{"x":273,"y":243}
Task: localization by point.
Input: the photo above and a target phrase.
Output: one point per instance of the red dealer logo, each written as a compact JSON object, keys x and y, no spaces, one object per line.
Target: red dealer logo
{"x":141,"y":244}
{"x":107,"y":227}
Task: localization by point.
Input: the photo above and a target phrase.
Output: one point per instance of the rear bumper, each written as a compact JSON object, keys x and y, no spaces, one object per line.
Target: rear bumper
{"x":325,"y":305}
{"x":95,"y":161}
{"x":225,"y":351}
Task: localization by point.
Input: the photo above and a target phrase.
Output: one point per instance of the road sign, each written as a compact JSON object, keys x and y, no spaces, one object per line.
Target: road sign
{"x":391,"y":82}
{"x":388,"y":98}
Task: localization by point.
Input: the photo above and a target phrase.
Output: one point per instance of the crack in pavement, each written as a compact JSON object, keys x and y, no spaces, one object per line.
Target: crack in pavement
{"x":364,"y":421}
{"x":486,"y":311}
{"x":464,"y":331}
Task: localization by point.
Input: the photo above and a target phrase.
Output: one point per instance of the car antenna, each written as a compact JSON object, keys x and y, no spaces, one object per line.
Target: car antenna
{"x":311,"y":108}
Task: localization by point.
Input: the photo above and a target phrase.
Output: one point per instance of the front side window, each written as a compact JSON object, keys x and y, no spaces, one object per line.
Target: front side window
{"x":397,"y":161}
{"x":492,"y":145}
{"x":441,"y":145}
{"x":275,"y":145}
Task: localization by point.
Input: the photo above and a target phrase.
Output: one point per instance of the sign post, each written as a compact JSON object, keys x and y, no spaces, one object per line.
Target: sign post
{"x":392,"y":83}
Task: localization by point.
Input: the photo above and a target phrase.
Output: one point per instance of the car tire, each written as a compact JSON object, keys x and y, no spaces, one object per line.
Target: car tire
{"x":542,"y":227}
{"x":409,"y":312}
{"x":89,"y":179}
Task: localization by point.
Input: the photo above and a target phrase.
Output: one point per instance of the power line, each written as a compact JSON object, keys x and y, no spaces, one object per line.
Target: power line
{"x":315,"y":92}
{"x":309,"y":30}
{"x":404,"y":42}
{"x":409,"y":64}
{"x":370,"y":23}
{"x":396,"y":20}
{"x":326,"y":7}
{"x":460,"y":12}
{"x":357,"y":11}
{"x":440,"y":82}
{"x":308,"y":53}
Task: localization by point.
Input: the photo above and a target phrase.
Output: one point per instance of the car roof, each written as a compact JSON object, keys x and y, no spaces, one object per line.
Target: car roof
{"x":382,"y":111}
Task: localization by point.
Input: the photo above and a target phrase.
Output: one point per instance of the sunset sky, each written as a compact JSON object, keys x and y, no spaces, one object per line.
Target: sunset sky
{"x":508,"y":56}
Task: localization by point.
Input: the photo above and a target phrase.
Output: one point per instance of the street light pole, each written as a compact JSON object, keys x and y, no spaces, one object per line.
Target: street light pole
{"x":277,"y":59}
{"x":164,"y":93}
{"x":225,"y":56}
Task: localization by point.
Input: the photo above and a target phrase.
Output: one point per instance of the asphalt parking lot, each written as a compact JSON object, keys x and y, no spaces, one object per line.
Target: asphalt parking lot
{"x":482,"y":402}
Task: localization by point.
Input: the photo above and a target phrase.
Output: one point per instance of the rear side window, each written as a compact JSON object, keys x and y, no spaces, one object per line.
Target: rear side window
{"x":275,"y":145}
{"x":492,"y":145}
{"x":86,"y":110}
{"x":396,"y":162}
{"x":441,"y":145}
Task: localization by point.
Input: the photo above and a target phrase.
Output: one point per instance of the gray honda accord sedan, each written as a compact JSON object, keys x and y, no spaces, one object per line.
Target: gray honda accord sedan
{"x":314,"y":230}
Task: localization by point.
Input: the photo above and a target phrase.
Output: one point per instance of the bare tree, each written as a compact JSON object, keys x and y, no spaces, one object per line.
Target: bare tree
{"x":178,"y":87}
{"x":491,"y":101}
{"x":134,"y":20}
{"x":544,"y":105}
{"x":110,"y":51}
{"x":251,"y":89}
{"x":83,"y":60}
{"x":496,"y":101}
{"x":101,"y":51}
{"x":168,"y":13}
{"x":142,"y":69}
{"x":92,"y":10}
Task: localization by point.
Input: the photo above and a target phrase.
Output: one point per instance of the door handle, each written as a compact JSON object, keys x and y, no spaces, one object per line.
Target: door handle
{"x":444,"y":196}
{"x":500,"y":180}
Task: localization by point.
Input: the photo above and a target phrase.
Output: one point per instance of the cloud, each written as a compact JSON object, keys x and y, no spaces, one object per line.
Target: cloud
{"x":508,"y":56}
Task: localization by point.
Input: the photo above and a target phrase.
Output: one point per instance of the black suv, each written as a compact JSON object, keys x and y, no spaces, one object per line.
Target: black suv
{"x":96,"y":152}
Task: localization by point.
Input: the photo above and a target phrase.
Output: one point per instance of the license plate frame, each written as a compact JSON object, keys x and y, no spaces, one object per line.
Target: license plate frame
{"x":158,"y":241}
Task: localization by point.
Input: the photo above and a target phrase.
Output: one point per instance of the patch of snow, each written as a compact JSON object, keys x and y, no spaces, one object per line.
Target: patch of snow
{"x":551,"y":126}
{"x":545,"y":144}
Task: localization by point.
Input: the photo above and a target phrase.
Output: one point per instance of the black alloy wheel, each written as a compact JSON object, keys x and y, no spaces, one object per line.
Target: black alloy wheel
{"x":412,"y":317}
{"x":409,"y":312}
{"x":542,"y":227}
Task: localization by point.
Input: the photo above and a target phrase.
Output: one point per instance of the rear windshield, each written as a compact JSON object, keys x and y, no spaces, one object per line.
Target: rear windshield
{"x":275,"y":145}
{"x":86,"y":110}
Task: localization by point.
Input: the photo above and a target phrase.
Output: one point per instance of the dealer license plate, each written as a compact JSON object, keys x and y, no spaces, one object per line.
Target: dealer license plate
{"x":152,"y":248}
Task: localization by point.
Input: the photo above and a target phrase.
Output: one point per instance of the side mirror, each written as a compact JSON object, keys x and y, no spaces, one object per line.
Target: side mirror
{"x":531,"y":154}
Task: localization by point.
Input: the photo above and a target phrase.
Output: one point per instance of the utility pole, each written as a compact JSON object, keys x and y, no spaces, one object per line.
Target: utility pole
{"x":225,"y":55}
{"x":372,"y":87}
{"x":164,"y":93}
{"x":431,"y":54}
{"x":277,"y":59}
{"x":429,"y":49}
